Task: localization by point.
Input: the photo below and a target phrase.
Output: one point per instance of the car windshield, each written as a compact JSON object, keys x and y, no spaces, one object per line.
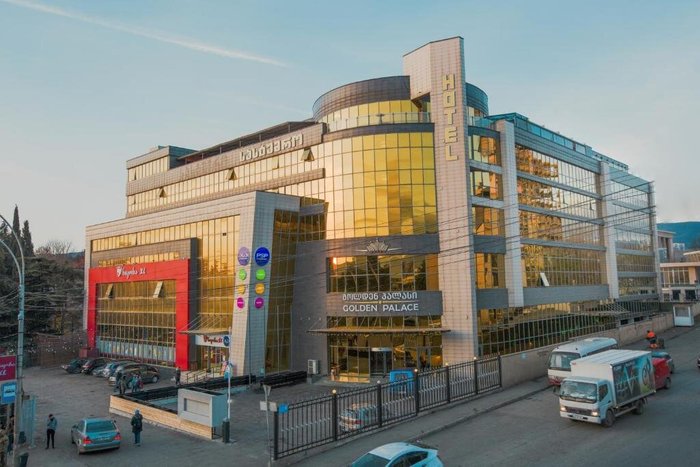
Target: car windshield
{"x":100,"y":425}
{"x":370,"y":460}
{"x":562,"y":360}
{"x":578,"y":391}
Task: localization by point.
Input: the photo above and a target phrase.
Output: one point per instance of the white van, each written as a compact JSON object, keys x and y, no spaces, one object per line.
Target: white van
{"x":561,"y":357}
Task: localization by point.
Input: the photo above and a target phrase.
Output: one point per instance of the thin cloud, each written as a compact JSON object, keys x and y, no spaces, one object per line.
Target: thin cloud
{"x":185,"y":42}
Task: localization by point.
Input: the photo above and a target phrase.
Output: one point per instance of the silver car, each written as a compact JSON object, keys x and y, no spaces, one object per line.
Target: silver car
{"x":95,"y":434}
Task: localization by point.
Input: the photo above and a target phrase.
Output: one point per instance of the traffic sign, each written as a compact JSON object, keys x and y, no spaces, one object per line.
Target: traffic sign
{"x":9,"y":390}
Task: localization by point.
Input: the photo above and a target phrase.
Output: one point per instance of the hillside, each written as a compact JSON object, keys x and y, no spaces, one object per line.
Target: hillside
{"x":685,"y":232}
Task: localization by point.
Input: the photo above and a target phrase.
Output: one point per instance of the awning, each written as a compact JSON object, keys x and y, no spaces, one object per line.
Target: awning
{"x":357,"y":330}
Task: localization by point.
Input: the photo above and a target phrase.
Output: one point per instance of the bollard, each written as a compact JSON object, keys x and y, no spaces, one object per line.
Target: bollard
{"x":226,"y":430}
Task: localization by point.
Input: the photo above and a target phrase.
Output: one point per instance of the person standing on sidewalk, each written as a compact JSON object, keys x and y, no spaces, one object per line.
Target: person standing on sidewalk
{"x":122,"y":385}
{"x":51,"y":424}
{"x":137,"y":427}
{"x":177,"y":376}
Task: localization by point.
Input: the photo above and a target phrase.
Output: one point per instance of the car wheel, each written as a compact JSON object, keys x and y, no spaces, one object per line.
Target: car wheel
{"x":154,"y":380}
{"x":609,"y":419}
{"x":639,"y":408}
{"x":667,"y":385}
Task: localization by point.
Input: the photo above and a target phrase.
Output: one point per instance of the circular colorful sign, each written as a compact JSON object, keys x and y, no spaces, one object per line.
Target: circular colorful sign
{"x":259,"y":288}
{"x":259,"y":302}
{"x":260,"y":274}
{"x":241,"y":289}
{"x":227,"y":341}
{"x":243,"y":256}
{"x":242,"y":274}
{"x":262,"y":256}
{"x":240,"y":303}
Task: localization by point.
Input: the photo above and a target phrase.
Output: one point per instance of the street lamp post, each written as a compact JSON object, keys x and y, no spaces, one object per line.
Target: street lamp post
{"x":20,"y":341}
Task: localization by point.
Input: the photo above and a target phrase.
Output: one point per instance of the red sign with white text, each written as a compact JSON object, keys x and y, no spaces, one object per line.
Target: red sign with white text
{"x":8,"y":366}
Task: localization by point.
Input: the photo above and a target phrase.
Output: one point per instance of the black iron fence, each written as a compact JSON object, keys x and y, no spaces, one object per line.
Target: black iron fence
{"x":306,"y":424}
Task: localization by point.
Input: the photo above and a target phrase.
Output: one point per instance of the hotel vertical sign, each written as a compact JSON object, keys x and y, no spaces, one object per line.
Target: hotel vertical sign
{"x":449,"y":109}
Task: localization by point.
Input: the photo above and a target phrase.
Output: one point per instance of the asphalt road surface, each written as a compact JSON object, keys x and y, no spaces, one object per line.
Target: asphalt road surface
{"x":531,"y":432}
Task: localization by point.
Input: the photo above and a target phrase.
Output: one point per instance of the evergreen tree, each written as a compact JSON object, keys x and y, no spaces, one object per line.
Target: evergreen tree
{"x":26,"y":239}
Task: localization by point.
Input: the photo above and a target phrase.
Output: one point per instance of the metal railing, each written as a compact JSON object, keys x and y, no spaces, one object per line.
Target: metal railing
{"x":315,"y":422}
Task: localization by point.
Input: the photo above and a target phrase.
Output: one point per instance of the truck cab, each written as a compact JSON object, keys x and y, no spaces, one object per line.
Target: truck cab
{"x":583,"y":398}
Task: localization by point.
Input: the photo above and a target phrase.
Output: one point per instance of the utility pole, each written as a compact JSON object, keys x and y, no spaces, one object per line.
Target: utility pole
{"x":20,"y":343}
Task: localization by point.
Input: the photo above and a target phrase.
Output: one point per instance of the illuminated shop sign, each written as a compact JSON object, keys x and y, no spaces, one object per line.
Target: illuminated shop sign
{"x":128,"y":272}
{"x":211,"y":341}
{"x":243,"y":256}
{"x":381,"y":302}
{"x":449,"y":110}
{"x":262,"y":256}
{"x":266,"y":149}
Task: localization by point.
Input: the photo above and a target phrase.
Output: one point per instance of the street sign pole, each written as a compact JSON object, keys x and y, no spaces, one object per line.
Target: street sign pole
{"x":267,"y":390}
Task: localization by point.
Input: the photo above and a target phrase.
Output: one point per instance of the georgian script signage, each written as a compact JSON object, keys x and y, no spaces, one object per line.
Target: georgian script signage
{"x":266,"y":149}
{"x":381,"y":302}
{"x":211,"y":341}
{"x":129,"y":271}
{"x":8,"y":366}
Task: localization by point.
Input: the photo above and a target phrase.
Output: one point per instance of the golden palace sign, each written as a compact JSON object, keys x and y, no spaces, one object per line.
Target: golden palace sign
{"x":267,"y":149}
{"x":449,"y":109}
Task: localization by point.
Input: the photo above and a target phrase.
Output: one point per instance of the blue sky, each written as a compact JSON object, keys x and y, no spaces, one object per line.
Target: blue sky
{"x":86,"y":85}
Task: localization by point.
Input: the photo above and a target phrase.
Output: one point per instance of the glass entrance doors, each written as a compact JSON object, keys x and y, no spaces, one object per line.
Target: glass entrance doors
{"x":380,"y":361}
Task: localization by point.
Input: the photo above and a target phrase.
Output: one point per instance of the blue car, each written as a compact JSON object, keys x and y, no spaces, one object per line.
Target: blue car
{"x":95,"y":434}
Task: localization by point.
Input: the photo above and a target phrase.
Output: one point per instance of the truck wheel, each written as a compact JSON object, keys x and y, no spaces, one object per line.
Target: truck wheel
{"x":609,"y":419}
{"x":639,"y":408}
{"x":667,"y":385}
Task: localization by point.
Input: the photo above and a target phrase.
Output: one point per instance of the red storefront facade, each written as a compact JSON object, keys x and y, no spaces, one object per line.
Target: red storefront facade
{"x":176,"y":270}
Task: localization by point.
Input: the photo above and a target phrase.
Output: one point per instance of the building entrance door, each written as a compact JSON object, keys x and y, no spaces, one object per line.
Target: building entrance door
{"x":380,"y":361}
{"x":424,"y":356}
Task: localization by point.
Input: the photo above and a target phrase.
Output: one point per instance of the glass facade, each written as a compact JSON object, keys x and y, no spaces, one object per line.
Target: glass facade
{"x":376,"y":113}
{"x":555,"y":170}
{"x":217,"y":243}
{"x":484,"y":149}
{"x":488,"y":221}
{"x":561,"y":266}
{"x":635,"y":263}
{"x":137,"y":319}
{"x":383,"y":273}
{"x":486,"y":184}
{"x":544,"y":196}
{"x":279,"y":315}
{"x":626,"y":240}
{"x":637,"y":285}
{"x":490,"y":270}
{"x":510,"y":330}
{"x":558,"y":229}
{"x":148,"y":169}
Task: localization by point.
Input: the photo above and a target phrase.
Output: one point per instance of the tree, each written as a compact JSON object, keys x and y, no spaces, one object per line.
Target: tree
{"x":54,"y":247}
{"x":26,"y":239}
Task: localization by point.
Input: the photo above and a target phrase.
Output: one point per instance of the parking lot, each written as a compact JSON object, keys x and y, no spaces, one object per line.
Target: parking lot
{"x":71,"y":397}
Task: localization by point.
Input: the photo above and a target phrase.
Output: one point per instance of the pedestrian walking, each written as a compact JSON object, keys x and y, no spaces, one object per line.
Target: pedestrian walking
{"x":134,"y":383}
{"x":51,"y":424}
{"x":122,"y":386}
{"x":137,"y":427}
{"x":4,"y":443}
{"x":177,"y":376}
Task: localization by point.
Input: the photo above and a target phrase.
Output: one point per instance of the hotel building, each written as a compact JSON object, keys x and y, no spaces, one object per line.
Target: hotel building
{"x":402,"y":225}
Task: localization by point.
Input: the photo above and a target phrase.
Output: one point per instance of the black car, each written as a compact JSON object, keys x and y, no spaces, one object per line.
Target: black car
{"x":93,"y":363}
{"x":74,"y":366}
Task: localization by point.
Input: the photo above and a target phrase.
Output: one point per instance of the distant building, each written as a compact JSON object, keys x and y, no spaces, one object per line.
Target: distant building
{"x":401,"y":225}
{"x":680,"y":270}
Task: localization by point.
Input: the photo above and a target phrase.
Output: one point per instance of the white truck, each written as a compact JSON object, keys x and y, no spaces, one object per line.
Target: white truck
{"x":606,"y":385}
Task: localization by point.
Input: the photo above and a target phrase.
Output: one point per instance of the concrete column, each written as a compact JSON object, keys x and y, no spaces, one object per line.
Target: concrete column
{"x":511,"y":213}
{"x":655,"y":239}
{"x":610,"y":269}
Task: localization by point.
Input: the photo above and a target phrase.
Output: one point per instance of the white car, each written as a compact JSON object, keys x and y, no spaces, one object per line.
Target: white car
{"x":400,"y":455}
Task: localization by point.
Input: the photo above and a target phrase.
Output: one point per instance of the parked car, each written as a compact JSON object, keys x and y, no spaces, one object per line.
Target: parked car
{"x":400,"y":454}
{"x":95,"y":434}
{"x":662,"y":373}
{"x":121,"y":370}
{"x":666,"y":356}
{"x":148,"y":373}
{"x":111,"y":367}
{"x":74,"y":366}
{"x":92,"y":363}
{"x":359,"y":416}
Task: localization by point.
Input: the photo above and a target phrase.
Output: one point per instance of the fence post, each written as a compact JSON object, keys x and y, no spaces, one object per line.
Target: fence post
{"x":447,"y":383}
{"x":276,"y":435}
{"x":476,"y":375}
{"x":500,"y":372}
{"x":380,"y":405}
{"x":416,"y":390}
{"x":334,"y":415}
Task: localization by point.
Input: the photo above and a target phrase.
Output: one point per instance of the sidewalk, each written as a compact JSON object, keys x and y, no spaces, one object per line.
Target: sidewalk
{"x":437,"y":419}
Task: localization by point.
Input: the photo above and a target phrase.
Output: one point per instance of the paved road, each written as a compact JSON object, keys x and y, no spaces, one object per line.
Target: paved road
{"x":531,"y":432}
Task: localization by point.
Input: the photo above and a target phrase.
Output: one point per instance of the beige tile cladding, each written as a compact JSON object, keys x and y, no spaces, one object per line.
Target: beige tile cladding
{"x":607,"y":211}
{"x":428,"y":66}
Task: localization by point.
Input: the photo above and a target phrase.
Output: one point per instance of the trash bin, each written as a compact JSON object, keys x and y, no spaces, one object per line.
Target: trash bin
{"x":226,"y":430}
{"x":23,"y":459}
